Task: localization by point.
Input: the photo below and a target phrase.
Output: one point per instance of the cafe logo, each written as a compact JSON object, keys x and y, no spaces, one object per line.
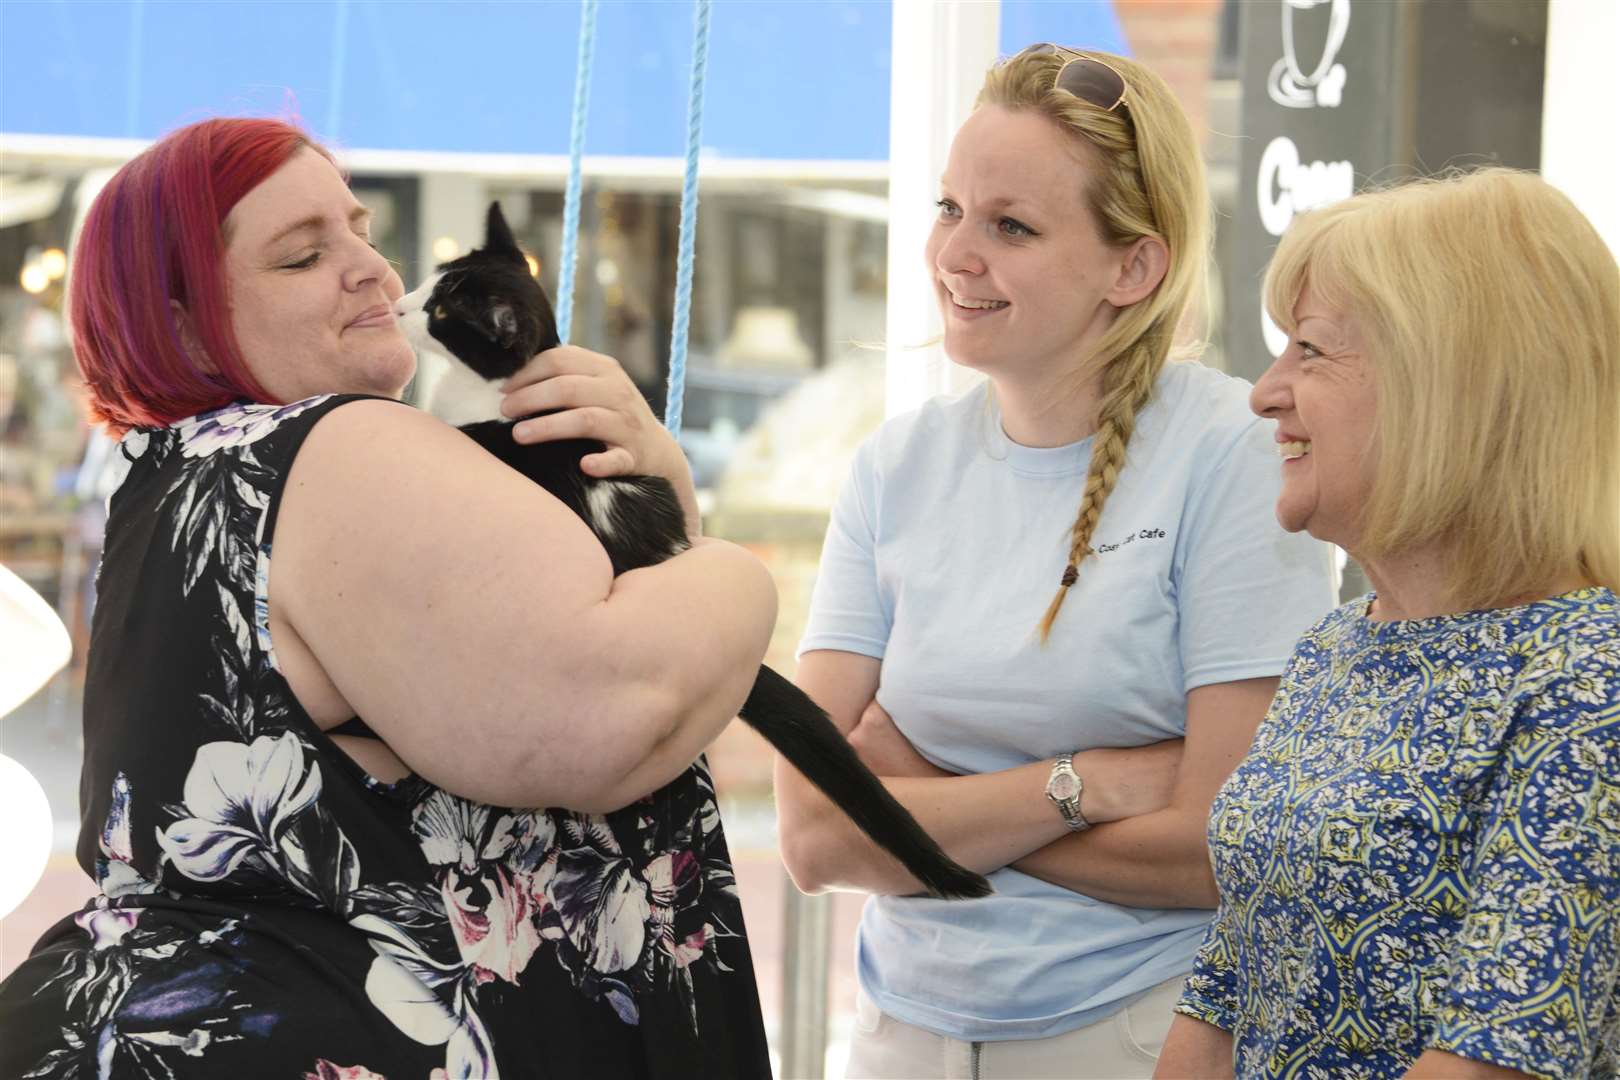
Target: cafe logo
{"x":1289,"y":83}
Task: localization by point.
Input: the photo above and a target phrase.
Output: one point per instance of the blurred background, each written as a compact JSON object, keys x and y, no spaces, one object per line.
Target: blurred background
{"x":823,"y":137}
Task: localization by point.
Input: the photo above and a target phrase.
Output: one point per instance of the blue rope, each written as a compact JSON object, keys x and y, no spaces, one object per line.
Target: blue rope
{"x":132,"y":88}
{"x":340,"y":56}
{"x":674,"y":398}
{"x":576,"y":153}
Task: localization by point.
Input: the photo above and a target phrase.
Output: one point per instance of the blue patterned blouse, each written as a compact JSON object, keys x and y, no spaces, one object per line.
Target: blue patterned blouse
{"x":1422,"y":850}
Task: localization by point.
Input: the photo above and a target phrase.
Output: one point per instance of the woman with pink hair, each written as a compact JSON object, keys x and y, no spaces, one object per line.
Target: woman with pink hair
{"x":293,"y":549}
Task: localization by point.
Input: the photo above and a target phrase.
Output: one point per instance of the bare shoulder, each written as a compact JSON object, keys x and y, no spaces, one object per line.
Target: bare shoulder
{"x":383,"y":496}
{"x":372,"y":433}
{"x":376,"y":456}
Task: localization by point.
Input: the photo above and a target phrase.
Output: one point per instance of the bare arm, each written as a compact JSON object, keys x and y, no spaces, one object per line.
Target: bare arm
{"x":1161,"y":859}
{"x":824,"y":851}
{"x":1195,"y":1050}
{"x":475,"y":624}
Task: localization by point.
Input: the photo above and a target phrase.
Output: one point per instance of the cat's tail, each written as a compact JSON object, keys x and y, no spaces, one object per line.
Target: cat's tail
{"x":801,"y":732}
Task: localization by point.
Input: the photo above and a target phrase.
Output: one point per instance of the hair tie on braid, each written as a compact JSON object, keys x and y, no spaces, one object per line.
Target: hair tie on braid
{"x":1070,"y":573}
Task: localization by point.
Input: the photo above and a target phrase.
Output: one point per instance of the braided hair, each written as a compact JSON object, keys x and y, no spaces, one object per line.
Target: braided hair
{"x":1147,"y":180}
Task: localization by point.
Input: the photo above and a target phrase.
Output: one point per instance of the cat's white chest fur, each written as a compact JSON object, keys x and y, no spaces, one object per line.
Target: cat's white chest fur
{"x":450,"y":391}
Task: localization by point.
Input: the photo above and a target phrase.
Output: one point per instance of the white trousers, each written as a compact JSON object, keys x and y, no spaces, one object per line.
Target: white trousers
{"x":1125,"y":1046}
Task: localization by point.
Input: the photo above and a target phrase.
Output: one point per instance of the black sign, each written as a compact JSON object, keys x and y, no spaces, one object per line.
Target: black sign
{"x":1340,"y":94}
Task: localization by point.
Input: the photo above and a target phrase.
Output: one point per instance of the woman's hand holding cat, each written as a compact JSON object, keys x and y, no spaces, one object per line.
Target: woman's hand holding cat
{"x":595,"y":399}
{"x":887,"y":752}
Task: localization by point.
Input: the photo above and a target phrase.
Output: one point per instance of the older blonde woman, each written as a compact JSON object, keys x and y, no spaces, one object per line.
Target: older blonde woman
{"x":1418,"y":859}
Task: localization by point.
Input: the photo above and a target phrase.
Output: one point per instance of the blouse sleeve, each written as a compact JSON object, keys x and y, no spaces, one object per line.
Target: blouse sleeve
{"x":847,"y":609}
{"x":1246,"y":590}
{"x":1532,"y":973}
{"x":1211,"y":993}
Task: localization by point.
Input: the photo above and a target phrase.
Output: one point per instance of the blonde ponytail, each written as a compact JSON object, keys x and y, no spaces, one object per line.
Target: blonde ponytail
{"x":1147,"y":180}
{"x":1127,"y":385}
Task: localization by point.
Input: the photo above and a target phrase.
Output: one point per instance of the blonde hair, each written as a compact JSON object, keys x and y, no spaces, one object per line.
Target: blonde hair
{"x":1490,"y":313}
{"x":1147,"y":180}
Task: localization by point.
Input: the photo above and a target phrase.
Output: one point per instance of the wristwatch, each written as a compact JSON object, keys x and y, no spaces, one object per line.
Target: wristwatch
{"x":1063,"y":787}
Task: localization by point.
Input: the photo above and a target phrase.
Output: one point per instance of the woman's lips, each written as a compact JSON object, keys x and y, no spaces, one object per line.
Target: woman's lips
{"x":381,"y":315}
{"x":973,"y":308}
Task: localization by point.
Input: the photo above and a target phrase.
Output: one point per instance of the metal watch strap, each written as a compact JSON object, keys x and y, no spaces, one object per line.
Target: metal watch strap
{"x":1069,"y":806}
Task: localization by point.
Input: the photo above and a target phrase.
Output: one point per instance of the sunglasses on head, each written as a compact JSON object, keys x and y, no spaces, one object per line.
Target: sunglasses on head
{"x":1092,"y":81}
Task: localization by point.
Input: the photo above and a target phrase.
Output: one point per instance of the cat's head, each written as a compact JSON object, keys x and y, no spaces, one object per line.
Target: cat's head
{"x":484,"y":309}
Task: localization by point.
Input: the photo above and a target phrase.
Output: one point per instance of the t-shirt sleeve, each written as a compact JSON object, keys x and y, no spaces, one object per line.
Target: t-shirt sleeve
{"x":847,"y":610}
{"x":1245,"y":589}
{"x":1534,"y":968}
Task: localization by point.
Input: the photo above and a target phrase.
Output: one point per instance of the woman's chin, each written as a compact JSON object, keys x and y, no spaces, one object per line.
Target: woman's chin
{"x":395,"y":372}
{"x":1294,"y":515}
{"x":974,"y":355}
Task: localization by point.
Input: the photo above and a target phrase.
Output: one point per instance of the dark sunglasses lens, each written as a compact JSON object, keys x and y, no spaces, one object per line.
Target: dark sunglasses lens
{"x":1091,"y":82}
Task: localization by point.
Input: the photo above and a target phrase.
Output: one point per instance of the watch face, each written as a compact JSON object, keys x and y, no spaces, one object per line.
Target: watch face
{"x":1063,"y":786}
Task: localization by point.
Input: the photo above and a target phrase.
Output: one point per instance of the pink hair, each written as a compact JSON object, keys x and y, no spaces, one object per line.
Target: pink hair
{"x":154,"y":239}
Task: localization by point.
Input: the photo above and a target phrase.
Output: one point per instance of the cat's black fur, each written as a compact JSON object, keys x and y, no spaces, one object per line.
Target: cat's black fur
{"x":487,"y":311}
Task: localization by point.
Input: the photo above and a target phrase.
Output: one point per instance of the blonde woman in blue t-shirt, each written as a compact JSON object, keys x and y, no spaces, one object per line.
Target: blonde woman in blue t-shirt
{"x":1072,"y":757}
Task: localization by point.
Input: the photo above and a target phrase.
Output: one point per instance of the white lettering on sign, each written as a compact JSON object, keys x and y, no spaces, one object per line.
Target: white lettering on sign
{"x":1288,"y":186}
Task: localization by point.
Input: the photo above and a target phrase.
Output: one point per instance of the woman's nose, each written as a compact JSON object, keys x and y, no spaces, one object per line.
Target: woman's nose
{"x":958,"y":253}
{"x":1273,"y":392}
{"x":368,"y":265}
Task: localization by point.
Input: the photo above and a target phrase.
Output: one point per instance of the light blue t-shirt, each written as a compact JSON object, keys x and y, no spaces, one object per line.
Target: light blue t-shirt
{"x":945,"y":547}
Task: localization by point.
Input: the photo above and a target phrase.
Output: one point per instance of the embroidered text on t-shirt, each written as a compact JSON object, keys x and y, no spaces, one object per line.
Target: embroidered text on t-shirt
{"x":1144,"y":534}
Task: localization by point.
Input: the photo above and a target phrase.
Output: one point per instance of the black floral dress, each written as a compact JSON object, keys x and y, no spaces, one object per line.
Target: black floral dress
{"x":268,"y":909}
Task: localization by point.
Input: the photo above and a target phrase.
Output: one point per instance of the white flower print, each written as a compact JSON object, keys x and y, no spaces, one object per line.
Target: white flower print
{"x":115,"y":832}
{"x":403,"y":984}
{"x":458,"y":832}
{"x":666,"y":876}
{"x":603,"y":905}
{"x":107,"y":925}
{"x":134,"y":443}
{"x":490,"y":902}
{"x":236,"y":425}
{"x":240,"y":800}
{"x":492,"y":916}
{"x":115,"y":871}
{"x":191,"y":1043}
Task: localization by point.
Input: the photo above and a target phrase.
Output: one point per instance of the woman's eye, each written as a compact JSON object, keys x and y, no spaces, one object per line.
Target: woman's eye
{"x":1012,"y":227}
{"x":305,"y":263}
{"x":947,"y":209}
{"x":1307,"y":351}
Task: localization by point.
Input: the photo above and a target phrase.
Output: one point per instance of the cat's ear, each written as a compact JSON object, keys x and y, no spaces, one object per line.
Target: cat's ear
{"x":497,"y":234}
{"x":501,"y":324}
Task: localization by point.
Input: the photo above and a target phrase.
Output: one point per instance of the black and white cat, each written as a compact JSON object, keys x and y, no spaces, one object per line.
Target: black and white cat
{"x":486,"y":313}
